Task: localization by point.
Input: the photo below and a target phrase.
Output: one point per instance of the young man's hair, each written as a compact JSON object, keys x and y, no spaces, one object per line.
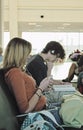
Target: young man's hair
{"x":55,"y":48}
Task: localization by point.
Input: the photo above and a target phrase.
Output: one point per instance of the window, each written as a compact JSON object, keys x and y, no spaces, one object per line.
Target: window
{"x":70,"y":40}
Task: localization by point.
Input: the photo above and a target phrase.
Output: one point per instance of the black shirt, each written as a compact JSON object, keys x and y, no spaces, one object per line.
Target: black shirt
{"x":37,"y":67}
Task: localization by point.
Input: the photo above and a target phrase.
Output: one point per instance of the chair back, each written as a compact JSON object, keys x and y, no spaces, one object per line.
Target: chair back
{"x":8,"y":107}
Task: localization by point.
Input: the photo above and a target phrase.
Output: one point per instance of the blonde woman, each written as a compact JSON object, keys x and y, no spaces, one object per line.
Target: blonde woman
{"x":23,"y":86}
{"x":1,"y":56}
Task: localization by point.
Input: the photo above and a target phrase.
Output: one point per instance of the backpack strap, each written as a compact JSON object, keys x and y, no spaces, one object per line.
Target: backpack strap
{"x":48,"y":114}
{"x":39,"y":125}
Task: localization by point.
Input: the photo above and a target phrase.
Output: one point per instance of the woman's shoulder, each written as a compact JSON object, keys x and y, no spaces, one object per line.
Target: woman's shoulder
{"x":13,"y":71}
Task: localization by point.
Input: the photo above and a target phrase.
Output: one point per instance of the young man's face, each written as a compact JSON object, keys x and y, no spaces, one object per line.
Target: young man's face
{"x":53,"y":58}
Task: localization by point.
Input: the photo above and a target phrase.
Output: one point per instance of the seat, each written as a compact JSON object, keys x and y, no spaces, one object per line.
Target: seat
{"x":10,"y":117}
{"x":8,"y":107}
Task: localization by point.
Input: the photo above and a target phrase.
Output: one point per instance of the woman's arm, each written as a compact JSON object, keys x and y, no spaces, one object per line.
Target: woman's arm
{"x":25,"y":103}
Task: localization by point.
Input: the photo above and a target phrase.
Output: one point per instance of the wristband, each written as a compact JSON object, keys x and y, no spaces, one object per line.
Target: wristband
{"x":40,"y":89}
{"x":38,"y":95}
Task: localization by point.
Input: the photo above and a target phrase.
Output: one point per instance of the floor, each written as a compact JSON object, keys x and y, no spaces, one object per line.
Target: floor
{"x":60,"y":71}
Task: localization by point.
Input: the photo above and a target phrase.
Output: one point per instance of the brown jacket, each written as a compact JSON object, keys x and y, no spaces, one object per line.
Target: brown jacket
{"x":23,"y":87}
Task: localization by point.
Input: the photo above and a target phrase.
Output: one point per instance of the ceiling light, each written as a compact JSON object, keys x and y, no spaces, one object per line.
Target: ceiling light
{"x":31,"y":23}
{"x":66,"y":24}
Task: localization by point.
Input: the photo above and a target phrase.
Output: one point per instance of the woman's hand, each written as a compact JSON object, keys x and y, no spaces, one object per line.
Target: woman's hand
{"x":46,"y":83}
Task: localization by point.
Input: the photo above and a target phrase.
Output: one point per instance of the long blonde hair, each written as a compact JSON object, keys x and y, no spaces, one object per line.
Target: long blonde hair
{"x":16,"y":53}
{"x":1,"y":50}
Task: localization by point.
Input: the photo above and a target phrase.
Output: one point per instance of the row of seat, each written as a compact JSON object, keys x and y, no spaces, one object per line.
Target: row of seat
{"x":9,"y":112}
{"x":8,"y":107}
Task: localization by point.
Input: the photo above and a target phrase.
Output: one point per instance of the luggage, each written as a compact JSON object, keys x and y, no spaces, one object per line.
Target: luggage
{"x":43,"y":120}
{"x":54,"y":96}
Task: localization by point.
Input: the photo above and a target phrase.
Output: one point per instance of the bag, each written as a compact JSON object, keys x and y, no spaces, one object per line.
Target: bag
{"x":75,"y":56}
{"x":80,"y":83}
{"x":43,"y":120}
{"x":71,"y":110}
{"x":54,"y":96}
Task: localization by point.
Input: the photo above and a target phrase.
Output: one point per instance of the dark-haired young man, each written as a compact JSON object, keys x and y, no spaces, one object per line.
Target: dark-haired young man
{"x":40,"y":65}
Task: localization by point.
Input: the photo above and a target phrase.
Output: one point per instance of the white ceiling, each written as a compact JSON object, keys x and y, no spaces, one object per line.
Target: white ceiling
{"x":59,"y":15}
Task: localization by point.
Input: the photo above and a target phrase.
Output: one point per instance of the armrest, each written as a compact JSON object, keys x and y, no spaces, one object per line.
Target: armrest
{"x":21,"y":117}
